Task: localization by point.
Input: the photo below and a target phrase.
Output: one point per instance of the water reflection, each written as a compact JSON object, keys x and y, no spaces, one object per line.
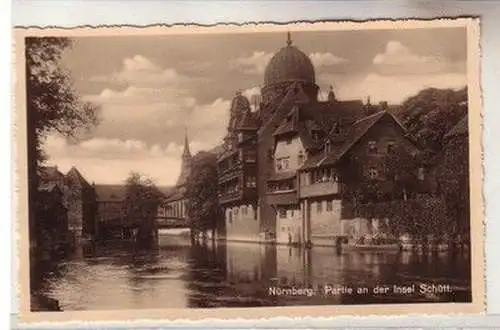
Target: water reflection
{"x":178,"y":275}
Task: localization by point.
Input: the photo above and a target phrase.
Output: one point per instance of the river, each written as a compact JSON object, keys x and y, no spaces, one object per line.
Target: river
{"x":179,"y":275}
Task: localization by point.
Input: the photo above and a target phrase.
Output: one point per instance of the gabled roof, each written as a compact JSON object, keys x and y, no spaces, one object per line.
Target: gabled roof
{"x":75,"y":175}
{"x":286,"y":102}
{"x":357,"y":131}
{"x":248,"y":122}
{"x":50,"y":173}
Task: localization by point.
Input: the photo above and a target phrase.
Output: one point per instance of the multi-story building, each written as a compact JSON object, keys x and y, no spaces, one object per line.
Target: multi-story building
{"x":79,"y":199}
{"x":237,"y":168}
{"x":282,"y":173}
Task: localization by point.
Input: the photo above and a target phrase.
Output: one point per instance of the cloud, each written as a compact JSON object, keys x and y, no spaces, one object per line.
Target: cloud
{"x":398,"y":54}
{"x":254,"y":64}
{"x":141,"y":71}
{"x":111,"y":160}
{"x":326,"y":59}
{"x":395,"y":89}
{"x":399,"y":59}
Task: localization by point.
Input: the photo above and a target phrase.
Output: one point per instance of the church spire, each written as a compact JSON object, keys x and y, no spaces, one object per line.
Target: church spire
{"x":288,"y":38}
{"x":186,"y":162}
{"x":186,"y":152}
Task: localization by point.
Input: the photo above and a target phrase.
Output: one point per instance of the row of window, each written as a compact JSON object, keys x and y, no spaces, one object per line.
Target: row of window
{"x":245,"y":210}
{"x":280,"y":186}
{"x":372,"y":147}
{"x":283,"y":163}
{"x":234,"y":186}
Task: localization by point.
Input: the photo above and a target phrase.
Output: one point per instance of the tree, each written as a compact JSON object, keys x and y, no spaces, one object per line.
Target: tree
{"x":454,"y":183}
{"x":53,"y":105}
{"x":430,"y":114}
{"x":400,"y":168}
{"x":142,"y":199}
{"x":202,"y":194}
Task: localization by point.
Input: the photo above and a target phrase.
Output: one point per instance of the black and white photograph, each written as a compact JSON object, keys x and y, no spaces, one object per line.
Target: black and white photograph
{"x":251,"y":167}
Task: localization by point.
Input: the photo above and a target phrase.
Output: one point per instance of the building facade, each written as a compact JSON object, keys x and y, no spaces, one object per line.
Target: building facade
{"x":79,"y":199}
{"x":282,"y":169}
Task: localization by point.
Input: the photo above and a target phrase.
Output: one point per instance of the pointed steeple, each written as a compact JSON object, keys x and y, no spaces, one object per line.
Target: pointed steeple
{"x":288,"y":38}
{"x":186,"y":162}
{"x":186,"y":152}
{"x":331,"y":95}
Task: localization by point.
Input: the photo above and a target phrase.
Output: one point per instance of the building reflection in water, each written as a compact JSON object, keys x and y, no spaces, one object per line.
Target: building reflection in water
{"x":217,"y":274}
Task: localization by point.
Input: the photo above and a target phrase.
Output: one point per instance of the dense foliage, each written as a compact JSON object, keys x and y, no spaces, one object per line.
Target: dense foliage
{"x":142,"y":199}
{"x":202,"y":193}
{"x":432,"y":113}
{"x":53,"y":105}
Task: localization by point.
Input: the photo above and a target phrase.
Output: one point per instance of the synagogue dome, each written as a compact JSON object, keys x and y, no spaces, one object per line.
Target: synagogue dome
{"x":289,"y":64}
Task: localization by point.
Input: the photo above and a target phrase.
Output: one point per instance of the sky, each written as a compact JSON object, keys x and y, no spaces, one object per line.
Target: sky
{"x":153,"y":89}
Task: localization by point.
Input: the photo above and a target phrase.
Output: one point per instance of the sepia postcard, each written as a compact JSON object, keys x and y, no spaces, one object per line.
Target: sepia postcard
{"x":249,"y":171}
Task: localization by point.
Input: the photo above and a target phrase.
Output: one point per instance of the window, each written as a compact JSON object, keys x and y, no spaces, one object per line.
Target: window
{"x":282,"y":213}
{"x":327,"y":146}
{"x":251,"y":182}
{"x":279,"y":166}
{"x":230,"y":216}
{"x":300,"y":158}
{"x":390,"y":147}
{"x":373,"y":173}
{"x":285,"y":163}
{"x":289,"y":141}
{"x":235,"y":211}
{"x":372,"y":147}
{"x":329,"y":206}
{"x":244,"y":210}
{"x":319,"y":207}
{"x":291,"y":213}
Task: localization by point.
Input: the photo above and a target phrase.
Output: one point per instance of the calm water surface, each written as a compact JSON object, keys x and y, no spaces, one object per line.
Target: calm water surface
{"x":178,"y":275}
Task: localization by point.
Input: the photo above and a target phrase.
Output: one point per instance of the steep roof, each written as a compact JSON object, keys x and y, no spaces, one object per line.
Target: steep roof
{"x":50,"y":173}
{"x":357,"y":131}
{"x":248,"y":122}
{"x":75,"y":175}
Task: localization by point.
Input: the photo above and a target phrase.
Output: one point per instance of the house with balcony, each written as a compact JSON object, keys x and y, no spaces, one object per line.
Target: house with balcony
{"x":324,"y":178}
{"x":237,"y":174}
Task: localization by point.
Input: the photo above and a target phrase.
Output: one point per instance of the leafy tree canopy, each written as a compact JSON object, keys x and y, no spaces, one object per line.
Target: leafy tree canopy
{"x":202,"y":192}
{"x":53,"y":104}
{"x":432,"y":113}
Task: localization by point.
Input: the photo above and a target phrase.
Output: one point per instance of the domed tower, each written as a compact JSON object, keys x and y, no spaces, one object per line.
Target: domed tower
{"x":287,"y":66}
{"x":239,"y":106}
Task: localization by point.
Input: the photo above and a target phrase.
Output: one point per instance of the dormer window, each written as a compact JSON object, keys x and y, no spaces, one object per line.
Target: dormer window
{"x":390,"y":147}
{"x":372,"y":147}
{"x":328,"y":148}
